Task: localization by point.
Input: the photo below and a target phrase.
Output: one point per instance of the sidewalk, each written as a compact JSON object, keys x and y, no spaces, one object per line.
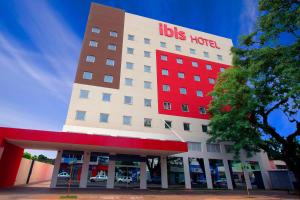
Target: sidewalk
{"x":22,"y":193}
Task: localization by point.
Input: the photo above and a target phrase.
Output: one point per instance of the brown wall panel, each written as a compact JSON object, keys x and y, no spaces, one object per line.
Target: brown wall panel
{"x":107,"y":19}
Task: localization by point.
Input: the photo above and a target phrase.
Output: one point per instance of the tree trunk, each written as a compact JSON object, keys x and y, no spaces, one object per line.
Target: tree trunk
{"x":292,"y":161}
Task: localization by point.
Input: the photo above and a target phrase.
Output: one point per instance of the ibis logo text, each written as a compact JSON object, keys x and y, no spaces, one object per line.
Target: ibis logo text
{"x":169,"y":31}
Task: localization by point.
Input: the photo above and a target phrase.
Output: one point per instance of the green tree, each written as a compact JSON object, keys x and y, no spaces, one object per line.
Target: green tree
{"x":27,"y":155}
{"x":265,"y":78}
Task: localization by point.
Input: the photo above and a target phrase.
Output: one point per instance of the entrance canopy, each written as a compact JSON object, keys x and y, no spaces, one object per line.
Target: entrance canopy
{"x":52,"y":140}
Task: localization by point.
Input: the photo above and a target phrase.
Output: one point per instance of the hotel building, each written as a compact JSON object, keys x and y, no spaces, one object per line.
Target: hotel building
{"x":138,"y":110}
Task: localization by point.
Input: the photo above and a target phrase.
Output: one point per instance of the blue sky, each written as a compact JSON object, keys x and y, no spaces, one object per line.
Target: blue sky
{"x":40,"y":43}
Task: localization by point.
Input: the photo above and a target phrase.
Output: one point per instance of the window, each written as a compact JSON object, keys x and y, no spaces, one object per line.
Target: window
{"x":208,"y":67}
{"x":179,"y":61}
{"x":95,"y":30}
{"x":163,"y":44}
{"x":80,"y":115}
{"x":165,"y":72}
{"x":180,"y":75}
{"x":197,"y":78}
{"x":192,"y":51}
{"x":186,"y":126}
{"x":113,"y":34}
{"x":204,"y":128}
{"x":104,"y":117}
{"x":199,"y":93}
{"x":131,"y":37}
{"x":163,"y":58}
{"x":194,"y":146}
{"x":177,"y":48}
{"x":213,"y":148}
{"x":168,"y":124}
{"x":222,"y":69}
{"x":202,"y":110}
{"x":211,"y":80}
{"x":146,"y":41}
{"x":129,"y":65}
{"x":220,"y":57}
{"x":147,"y":68}
{"x":182,"y":90}
{"x":147,"y":102}
{"x":205,"y":54}
{"x":112,"y":47}
{"x":130,"y":50}
{"x":110,"y":62}
{"x":167,"y":105}
{"x":166,"y":88}
{"x":147,"y":85}
{"x":108,"y":79}
{"x":194,"y":64}
{"x":228,"y":148}
{"x":87,"y":75}
{"x":84,"y":94}
{"x":93,"y":43}
{"x":90,"y":59}
{"x":185,"y":108}
{"x":127,"y":120}
{"x":128,"y":100}
{"x":147,"y":54}
{"x":106,"y":97}
{"x":147,"y":122}
{"x":128,"y":81}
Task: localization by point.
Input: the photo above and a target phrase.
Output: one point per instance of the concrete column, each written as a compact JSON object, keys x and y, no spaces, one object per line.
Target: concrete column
{"x":228,"y":175}
{"x":111,"y":174}
{"x":265,"y":167}
{"x":186,"y":169}
{"x":143,"y":175}
{"x":207,"y":174}
{"x":85,"y":169}
{"x":246,"y":175}
{"x":56,"y":169}
{"x":9,"y":164}
{"x":164,"y":172}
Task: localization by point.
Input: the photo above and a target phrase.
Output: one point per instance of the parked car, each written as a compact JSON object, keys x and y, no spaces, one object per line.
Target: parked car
{"x":63,"y":175}
{"x":124,"y":179}
{"x":222,"y":183}
{"x":98,"y":178}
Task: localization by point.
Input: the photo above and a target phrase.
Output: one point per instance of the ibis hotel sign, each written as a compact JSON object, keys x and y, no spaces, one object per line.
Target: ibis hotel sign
{"x":168,"y":31}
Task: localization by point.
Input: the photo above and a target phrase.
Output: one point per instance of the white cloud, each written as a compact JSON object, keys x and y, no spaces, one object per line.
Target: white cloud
{"x":44,"y":65}
{"x":248,"y":16}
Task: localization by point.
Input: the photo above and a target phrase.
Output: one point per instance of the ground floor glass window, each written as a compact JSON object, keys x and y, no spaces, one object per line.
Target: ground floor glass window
{"x":217,"y":171}
{"x":98,"y":169}
{"x":197,"y":173}
{"x":175,"y":172}
{"x":127,"y":174}
{"x":153,"y":172}
{"x":255,"y":175}
{"x":70,"y":169}
{"x":237,"y":174}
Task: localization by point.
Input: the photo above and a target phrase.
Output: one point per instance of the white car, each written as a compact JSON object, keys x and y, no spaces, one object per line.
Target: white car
{"x":124,"y":179}
{"x":98,"y":178}
{"x":63,"y":175}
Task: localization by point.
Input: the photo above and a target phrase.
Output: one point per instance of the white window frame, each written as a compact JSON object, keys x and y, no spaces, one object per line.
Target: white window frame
{"x":113,"y":34}
{"x":110,"y":62}
{"x":112,"y":47}
{"x":179,"y":61}
{"x":90,"y":59}
{"x":106,"y":76}
{"x":86,"y":74}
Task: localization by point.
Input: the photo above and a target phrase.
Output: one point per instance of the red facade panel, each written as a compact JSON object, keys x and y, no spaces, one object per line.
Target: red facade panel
{"x":190,"y":98}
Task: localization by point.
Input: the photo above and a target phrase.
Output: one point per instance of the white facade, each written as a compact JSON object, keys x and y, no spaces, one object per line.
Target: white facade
{"x":142,"y":35}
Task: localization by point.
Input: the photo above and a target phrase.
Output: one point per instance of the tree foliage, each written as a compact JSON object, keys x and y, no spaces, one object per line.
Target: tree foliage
{"x":265,"y":78}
